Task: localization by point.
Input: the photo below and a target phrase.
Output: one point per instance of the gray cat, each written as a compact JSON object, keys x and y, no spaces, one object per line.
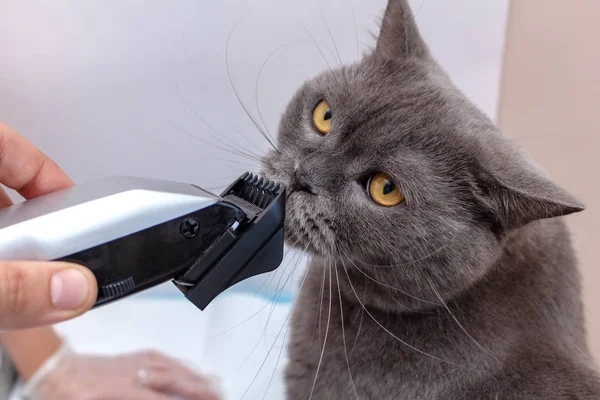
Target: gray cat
{"x":440,"y":268}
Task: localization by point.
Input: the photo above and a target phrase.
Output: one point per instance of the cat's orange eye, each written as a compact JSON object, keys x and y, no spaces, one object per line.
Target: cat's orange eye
{"x":383,"y":191}
{"x":322,"y":117}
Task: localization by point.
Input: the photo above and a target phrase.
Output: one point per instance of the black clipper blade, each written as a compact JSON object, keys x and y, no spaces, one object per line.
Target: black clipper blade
{"x":250,"y":247}
{"x":252,"y":194}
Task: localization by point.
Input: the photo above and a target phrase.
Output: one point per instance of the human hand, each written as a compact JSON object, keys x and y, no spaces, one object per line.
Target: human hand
{"x":143,"y":376}
{"x":37,"y":293}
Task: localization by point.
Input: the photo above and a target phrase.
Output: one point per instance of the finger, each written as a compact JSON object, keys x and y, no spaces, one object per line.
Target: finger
{"x":173,"y":384}
{"x":5,"y":201}
{"x":144,"y":394}
{"x":160,"y":363}
{"x":42,"y":293}
{"x":26,"y":169}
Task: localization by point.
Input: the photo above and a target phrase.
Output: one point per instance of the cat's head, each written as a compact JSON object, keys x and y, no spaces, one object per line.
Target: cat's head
{"x":387,"y":163}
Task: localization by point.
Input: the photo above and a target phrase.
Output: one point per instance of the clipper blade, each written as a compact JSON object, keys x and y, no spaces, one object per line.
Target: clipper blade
{"x":253,"y":247}
{"x":252,"y":193}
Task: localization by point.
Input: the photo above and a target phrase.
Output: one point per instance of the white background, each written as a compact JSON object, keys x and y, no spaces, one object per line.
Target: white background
{"x":112,"y":87}
{"x":102,"y":86}
{"x":131,"y":87}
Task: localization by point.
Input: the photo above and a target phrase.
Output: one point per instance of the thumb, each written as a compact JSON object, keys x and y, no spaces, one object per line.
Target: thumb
{"x":42,"y":293}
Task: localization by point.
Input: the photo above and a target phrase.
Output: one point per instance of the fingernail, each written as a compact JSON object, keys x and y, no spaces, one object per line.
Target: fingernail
{"x":68,"y":289}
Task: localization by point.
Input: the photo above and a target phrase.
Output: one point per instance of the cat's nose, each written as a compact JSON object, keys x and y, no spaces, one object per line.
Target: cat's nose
{"x":300,"y":181}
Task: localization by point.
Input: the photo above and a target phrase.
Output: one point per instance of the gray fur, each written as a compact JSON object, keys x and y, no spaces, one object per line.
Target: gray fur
{"x":470,"y":287}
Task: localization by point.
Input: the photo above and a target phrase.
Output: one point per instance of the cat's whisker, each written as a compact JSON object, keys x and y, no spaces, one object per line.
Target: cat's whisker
{"x":220,"y":185}
{"x":404,"y":306}
{"x":272,"y":302}
{"x":280,"y":352}
{"x":437,"y":293}
{"x":387,"y":330}
{"x":237,"y":165}
{"x":362,"y":312}
{"x":316,"y":45}
{"x":321,"y":294}
{"x":241,"y":323}
{"x":405,"y":264}
{"x":453,"y":379}
{"x":282,"y":346}
{"x":226,"y":179}
{"x":228,"y":148}
{"x":260,"y":116}
{"x":344,"y":254}
{"x":245,"y":165}
{"x":353,"y":241}
{"x":215,"y":188}
{"x":342,"y":71}
{"x":285,"y":323}
{"x":339,"y":58}
{"x":270,"y":277}
{"x":244,"y":321}
{"x":287,"y":329}
{"x":326,"y":334}
{"x":277,"y":295}
{"x":248,"y":113}
{"x":355,"y":30}
{"x":298,"y":259}
{"x":450,"y":372}
{"x":208,"y":128}
{"x":343,"y":332}
{"x":318,"y":48}
{"x":388,"y":286}
{"x":419,"y":10}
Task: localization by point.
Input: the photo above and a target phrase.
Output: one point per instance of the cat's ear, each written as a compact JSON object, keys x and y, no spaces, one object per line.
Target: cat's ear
{"x":399,"y":36}
{"x":515,"y":190}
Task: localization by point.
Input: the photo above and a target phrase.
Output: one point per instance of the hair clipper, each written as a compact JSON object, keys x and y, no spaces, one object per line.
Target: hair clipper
{"x":135,"y":233}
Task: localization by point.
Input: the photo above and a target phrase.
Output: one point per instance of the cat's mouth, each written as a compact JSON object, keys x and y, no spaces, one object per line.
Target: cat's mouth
{"x":306,"y":228}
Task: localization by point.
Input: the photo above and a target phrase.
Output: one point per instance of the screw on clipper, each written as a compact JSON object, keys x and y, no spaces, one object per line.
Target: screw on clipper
{"x":189,"y":228}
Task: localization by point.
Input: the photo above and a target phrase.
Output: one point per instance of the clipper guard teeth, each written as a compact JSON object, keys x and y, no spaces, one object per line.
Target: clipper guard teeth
{"x":253,"y":247}
{"x":254,"y":189}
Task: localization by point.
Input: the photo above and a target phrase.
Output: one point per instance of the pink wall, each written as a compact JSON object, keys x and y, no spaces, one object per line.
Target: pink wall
{"x":550,"y":102}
